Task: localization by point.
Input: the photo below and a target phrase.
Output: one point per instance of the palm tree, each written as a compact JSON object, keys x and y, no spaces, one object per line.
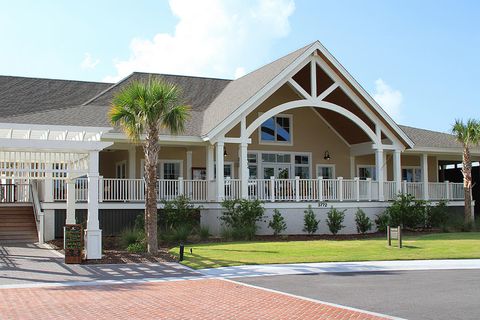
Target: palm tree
{"x":142,"y":109}
{"x":468,"y":135}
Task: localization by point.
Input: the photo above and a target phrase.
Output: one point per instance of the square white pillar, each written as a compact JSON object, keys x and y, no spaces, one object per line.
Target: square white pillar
{"x":220,"y":171}
{"x":424,"y":167}
{"x":93,"y":234}
{"x":379,"y":172}
{"x":243,"y":168}
{"x":352,"y":167}
{"x":70,"y":217}
{"x":210,"y":165}
{"x":397,"y":170}
{"x":132,"y":162}
{"x":189,"y":164}
{"x":48,"y":187}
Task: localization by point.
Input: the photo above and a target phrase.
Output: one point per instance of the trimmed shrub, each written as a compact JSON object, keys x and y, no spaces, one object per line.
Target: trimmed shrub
{"x":241,"y":217}
{"x":335,"y":219}
{"x":277,"y":224}
{"x":310,"y":222}
{"x":204,"y":232}
{"x":437,"y":216}
{"x":382,"y":221}
{"x":180,"y":212}
{"x":406,"y":212}
{"x":363,"y":222}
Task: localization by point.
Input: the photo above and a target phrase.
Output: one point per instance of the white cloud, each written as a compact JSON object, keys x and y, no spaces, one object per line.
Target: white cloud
{"x":212,"y":38}
{"x":88,"y":62}
{"x":389,"y":99}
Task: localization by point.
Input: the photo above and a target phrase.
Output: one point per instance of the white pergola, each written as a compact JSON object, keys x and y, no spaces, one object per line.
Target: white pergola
{"x":42,"y":152}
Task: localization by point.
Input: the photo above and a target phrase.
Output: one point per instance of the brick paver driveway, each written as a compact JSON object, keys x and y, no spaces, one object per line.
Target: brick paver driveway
{"x":183,"y":299}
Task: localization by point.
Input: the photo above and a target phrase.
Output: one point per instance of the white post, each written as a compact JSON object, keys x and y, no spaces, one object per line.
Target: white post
{"x":352,"y":167}
{"x":93,"y":234}
{"x":340,"y":188}
{"x":189,"y":164}
{"x":369,"y":190}
{"x":404,"y":188}
{"x":447,"y":190}
{"x":220,"y":171}
{"x":181,"y":189}
{"x":424,"y":166}
{"x":48,"y":187}
{"x":379,"y":172}
{"x":243,"y":168}
{"x":357,"y":188}
{"x":70,"y":219}
{"x":320,"y":188}
{"x":297,"y":189}
{"x":210,"y":165}
{"x":272,"y":189}
{"x":397,"y":171}
{"x":132,"y":161}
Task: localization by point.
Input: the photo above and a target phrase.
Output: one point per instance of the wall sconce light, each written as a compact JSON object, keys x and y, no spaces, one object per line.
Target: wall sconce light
{"x":225,"y":152}
{"x":326,"y":155}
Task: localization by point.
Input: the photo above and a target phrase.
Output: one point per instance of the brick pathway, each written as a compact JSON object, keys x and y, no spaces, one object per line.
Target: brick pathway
{"x":194,"y":299}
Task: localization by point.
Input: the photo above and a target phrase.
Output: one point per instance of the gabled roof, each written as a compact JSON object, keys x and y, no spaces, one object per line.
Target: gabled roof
{"x":240,"y":90}
{"x":22,"y":95}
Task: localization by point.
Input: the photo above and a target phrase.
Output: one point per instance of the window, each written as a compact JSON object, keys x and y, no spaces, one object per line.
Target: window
{"x":302,"y":166}
{"x":121,"y":170}
{"x":277,"y":129}
{"x":170,"y":170}
{"x":252,"y":160}
{"x":412,"y":174}
{"x":227,"y":170}
{"x":366,"y":171}
{"x":327,"y":171}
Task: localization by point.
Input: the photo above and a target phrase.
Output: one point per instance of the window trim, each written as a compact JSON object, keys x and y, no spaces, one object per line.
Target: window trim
{"x":414,"y":168}
{"x":225,"y":163}
{"x":328,"y":165}
{"x":120,"y":164}
{"x":292,"y":159}
{"x":276,"y":143}
{"x":160,"y":163}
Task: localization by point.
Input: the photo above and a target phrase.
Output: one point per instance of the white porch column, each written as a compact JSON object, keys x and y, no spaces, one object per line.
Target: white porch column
{"x":352,"y":167}
{"x":397,"y":170}
{"x":220,"y":171}
{"x":243,"y":169}
{"x":93,"y":234}
{"x":379,"y":172}
{"x":189,"y":164}
{"x":48,"y":187}
{"x":424,"y":167}
{"x":210,"y":165}
{"x":70,"y":202}
{"x":132,"y":162}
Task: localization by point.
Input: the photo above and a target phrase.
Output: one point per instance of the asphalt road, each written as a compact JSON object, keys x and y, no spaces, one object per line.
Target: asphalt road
{"x":440,"y":294}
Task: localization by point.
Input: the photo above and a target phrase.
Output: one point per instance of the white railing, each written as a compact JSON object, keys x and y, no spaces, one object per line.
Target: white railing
{"x":38,"y":212}
{"x":269,"y":190}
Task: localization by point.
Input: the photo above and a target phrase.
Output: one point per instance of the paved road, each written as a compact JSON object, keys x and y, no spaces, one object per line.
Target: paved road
{"x":439,"y":294}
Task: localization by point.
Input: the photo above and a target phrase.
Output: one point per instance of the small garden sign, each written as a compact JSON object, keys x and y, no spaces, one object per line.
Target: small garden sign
{"x":394,"y":234}
{"x":73,"y":243}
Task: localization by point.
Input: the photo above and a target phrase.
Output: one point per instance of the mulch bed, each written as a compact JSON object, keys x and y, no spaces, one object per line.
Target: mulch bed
{"x":113,"y":255}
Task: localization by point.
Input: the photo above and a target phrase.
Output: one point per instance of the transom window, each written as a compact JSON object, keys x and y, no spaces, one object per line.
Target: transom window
{"x":277,"y":129}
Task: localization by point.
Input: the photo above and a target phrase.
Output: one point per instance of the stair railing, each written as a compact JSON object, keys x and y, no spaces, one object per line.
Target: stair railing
{"x":37,"y":210}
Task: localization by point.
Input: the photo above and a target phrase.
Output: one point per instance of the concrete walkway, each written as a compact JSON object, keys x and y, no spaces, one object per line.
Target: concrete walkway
{"x":335,"y":267}
{"x":30,"y":265}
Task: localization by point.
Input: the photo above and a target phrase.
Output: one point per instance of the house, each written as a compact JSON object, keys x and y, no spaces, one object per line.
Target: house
{"x":297,"y":131}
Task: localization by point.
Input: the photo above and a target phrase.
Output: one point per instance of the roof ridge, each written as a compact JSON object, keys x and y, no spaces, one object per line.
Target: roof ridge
{"x":182,"y":75}
{"x":423,"y":129}
{"x":107,"y":89}
{"x":54,"y":79}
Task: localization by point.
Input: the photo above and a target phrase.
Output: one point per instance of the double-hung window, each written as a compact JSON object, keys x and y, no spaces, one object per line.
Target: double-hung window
{"x":367,"y":171}
{"x":412,"y":174}
{"x":277,"y":129}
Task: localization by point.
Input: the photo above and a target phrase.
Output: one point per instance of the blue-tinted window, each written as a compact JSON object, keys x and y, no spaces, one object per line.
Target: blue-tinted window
{"x":276,"y":129}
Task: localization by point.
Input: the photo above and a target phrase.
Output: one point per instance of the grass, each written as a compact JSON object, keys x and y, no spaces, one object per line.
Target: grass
{"x":431,"y":246}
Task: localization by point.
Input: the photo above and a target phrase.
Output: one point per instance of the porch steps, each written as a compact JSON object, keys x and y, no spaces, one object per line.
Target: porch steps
{"x":17,"y":224}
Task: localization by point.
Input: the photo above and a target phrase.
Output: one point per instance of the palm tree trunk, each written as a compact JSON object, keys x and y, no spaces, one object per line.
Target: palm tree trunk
{"x":151,"y":158}
{"x":467,"y":184}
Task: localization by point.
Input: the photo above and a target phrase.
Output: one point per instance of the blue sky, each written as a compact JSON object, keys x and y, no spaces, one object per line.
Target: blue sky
{"x":419,"y":59}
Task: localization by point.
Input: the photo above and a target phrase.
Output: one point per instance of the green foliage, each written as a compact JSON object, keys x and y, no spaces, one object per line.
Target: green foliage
{"x":277,"y":224}
{"x":335,"y":219}
{"x":241,"y":216}
{"x":382,"y":221}
{"x":180,"y":233}
{"x":131,"y":236}
{"x":137,"y":247}
{"x":140,"y":222}
{"x":204,"y":232}
{"x":363,"y":222}
{"x":437,"y":216}
{"x":310,"y":222}
{"x":226,"y":234}
{"x":180,"y":212}
{"x":406,"y":212}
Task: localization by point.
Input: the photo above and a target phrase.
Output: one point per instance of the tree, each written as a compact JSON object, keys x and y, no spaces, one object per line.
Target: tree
{"x":468,"y":134}
{"x":145,"y":108}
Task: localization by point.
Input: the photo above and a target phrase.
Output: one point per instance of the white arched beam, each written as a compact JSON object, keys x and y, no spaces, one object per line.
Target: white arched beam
{"x":315,"y":103}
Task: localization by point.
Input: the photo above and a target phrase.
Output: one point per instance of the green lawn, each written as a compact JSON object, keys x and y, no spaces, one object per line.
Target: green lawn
{"x":432,"y":246}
